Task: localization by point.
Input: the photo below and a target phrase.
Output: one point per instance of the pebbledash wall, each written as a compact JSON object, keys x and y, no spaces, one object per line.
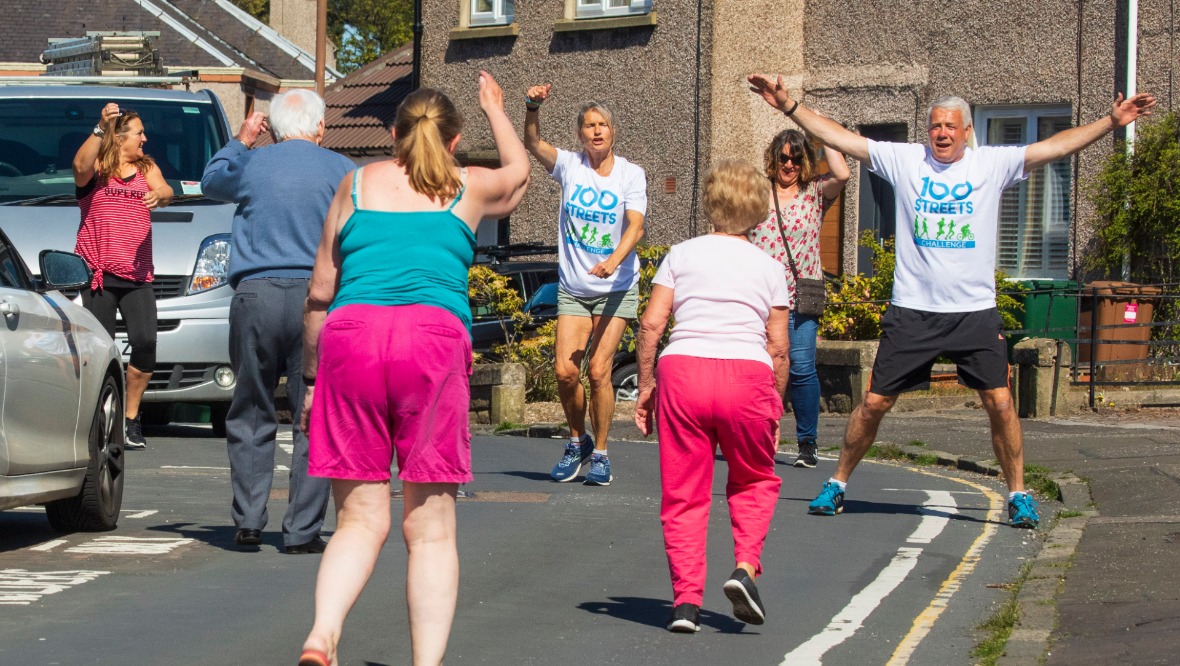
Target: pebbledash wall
{"x":646,"y":74}
{"x":677,"y":82}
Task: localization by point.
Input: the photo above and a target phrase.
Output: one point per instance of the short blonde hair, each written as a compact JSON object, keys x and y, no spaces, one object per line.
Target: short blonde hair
{"x":736,"y":196}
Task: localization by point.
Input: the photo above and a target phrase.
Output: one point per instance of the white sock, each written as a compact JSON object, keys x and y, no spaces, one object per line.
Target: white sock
{"x":602,"y":452}
{"x":576,"y":440}
{"x":843,"y":484}
{"x":1012,"y":495}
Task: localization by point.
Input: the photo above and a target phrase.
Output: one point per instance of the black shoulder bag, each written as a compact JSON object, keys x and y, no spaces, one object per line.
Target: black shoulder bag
{"x":810,"y":294}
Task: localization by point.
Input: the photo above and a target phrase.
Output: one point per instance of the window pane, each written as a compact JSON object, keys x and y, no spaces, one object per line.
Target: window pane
{"x":481,"y":6}
{"x":618,"y":3}
{"x":590,"y":3}
{"x":1009,"y":131}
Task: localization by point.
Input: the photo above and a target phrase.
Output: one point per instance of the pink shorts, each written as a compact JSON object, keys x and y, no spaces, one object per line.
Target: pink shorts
{"x":392,"y":378}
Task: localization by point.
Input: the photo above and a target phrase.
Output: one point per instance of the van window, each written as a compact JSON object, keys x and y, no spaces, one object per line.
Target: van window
{"x":39,"y":137}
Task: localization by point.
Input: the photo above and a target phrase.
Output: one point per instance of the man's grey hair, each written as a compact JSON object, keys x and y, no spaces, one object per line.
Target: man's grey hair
{"x":951,"y":103}
{"x":296,"y":113}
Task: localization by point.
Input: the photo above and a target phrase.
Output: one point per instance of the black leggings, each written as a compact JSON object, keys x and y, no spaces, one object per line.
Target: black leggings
{"x":138,"y":305}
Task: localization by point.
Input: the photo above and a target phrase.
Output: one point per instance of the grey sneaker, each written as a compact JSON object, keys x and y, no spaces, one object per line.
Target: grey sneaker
{"x":808,"y":454}
{"x":135,"y":440}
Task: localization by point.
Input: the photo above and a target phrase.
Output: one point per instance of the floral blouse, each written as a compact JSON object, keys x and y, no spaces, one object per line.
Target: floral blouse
{"x":802,"y":216}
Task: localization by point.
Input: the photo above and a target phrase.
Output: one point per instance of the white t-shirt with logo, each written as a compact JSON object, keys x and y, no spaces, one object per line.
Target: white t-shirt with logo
{"x":592,"y":221}
{"x":947,"y":219}
{"x":723,"y":289}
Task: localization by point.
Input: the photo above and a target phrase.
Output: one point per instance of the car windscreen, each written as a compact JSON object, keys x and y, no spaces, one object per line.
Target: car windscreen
{"x":39,"y":138}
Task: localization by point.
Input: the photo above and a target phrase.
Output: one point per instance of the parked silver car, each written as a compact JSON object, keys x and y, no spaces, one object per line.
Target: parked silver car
{"x":41,"y":128}
{"x":61,"y":397}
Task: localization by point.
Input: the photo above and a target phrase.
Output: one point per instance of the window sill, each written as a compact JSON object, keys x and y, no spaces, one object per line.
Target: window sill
{"x":484,"y":31}
{"x":605,"y":23}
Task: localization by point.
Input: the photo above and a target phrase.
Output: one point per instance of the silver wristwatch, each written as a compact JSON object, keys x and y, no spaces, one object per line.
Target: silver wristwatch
{"x":98,"y":131}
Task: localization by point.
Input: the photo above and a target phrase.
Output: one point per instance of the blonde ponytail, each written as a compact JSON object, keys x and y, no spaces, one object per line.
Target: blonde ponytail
{"x":426,"y":123}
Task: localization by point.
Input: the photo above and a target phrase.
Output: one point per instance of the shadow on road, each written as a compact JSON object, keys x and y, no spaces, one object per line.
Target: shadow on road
{"x":860,"y":506}
{"x":655,"y":612}
{"x":21,"y":529}
{"x":219,"y":536}
{"x":531,"y":476}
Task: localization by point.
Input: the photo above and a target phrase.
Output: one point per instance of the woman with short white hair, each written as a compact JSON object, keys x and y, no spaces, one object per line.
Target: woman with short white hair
{"x":718,"y":384}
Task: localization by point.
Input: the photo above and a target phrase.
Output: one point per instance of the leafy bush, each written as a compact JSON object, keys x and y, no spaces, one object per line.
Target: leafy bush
{"x":492,"y":293}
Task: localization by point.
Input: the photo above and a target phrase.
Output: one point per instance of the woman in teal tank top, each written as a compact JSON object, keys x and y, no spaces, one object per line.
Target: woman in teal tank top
{"x":387,"y":354}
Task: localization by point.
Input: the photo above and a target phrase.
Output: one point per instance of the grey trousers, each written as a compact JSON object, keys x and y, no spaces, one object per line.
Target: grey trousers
{"x":266,"y":342}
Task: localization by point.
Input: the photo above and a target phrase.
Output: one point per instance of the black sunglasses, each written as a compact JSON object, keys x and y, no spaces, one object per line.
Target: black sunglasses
{"x":797,"y":160}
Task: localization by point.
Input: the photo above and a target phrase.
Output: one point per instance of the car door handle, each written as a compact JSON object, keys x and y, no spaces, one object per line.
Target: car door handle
{"x":9,"y":309}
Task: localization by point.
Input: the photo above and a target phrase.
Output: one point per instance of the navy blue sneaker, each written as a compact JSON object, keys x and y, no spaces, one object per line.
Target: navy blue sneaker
{"x":830,"y":501}
{"x":599,"y":474}
{"x":571,"y":462}
{"x":1022,"y":511}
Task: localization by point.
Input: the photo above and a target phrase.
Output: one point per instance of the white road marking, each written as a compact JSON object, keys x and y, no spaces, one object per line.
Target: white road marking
{"x":118,"y":545}
{"x":48,"y":545}
{"x":289,"y":449}
{"x":285,"y":435}
{"x":936,"y":513}
{"x":282,"y":468}
{"x":190,"y":467}
{"x":19,"y":587}
{"x":849,"y":620}
{"x":141,"y":514}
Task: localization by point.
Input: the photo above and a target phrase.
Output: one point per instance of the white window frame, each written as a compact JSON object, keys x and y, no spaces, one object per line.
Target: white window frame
{"x":589,"y":9}
{"x":1050,"y":239}
{"x":503,"y":13}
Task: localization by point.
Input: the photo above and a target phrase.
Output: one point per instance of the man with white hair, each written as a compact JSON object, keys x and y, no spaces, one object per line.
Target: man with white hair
{"x":944,"y":291}
{"x":283,"y":192}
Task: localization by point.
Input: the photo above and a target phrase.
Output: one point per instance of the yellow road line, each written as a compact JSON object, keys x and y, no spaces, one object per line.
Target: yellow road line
{"x":926,"y":619}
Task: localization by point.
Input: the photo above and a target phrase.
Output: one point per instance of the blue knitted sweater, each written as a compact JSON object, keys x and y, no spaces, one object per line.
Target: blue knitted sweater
{"x":283,"y":193}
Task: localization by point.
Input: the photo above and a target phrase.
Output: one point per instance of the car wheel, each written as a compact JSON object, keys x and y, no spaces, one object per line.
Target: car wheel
{"x":626,"y":383}
{"x":218,"y":412}
{"x":96,"y":507}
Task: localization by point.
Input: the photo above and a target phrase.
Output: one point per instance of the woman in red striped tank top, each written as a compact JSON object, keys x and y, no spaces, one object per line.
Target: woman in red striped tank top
{"x":117,"y":188}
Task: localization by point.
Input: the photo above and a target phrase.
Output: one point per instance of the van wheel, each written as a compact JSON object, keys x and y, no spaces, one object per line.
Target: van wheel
{"x":218,"y":412}
{"x":96,"y":507}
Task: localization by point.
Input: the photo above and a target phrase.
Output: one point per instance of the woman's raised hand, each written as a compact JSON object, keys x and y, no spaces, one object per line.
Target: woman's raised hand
{"x":491,"y":96}
{"x":109,"y":112}
{"x":540,"y":93}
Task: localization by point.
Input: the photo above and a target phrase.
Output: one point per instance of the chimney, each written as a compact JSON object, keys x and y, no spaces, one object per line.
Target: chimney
{"x":295,"y":20}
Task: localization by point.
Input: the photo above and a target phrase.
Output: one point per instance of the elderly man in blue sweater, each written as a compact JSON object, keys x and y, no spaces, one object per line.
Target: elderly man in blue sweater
{"x":283,"y":192}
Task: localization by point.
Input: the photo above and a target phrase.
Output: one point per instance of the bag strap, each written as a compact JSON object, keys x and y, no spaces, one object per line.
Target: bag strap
{"x":783,"y":230}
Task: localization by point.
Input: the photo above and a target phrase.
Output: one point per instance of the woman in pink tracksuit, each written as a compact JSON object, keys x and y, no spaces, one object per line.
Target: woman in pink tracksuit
{"x":719,"y":384}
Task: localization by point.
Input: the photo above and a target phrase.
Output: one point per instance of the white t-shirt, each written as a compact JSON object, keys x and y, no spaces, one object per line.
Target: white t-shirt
{"x":723,"y":290}
{"x":592,"y":221}
{"x":947,"y":218}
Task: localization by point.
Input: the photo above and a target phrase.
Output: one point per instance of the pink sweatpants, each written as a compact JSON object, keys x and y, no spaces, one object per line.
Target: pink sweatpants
{"x":703,"y":403}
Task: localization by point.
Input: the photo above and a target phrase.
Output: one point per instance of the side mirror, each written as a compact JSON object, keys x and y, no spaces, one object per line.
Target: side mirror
{"x":63,"y":270}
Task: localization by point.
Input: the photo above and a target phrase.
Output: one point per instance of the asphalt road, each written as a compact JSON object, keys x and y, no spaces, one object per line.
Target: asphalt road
{"x":551,"y":573}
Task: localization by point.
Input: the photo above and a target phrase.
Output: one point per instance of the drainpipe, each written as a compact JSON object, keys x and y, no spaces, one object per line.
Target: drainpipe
{"x":1132,"y":76}
{"x":416,"y":67}
{"x":321,"y":44}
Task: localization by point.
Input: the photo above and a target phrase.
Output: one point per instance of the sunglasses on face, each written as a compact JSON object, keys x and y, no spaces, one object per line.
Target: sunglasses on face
{"x":784,"y":159}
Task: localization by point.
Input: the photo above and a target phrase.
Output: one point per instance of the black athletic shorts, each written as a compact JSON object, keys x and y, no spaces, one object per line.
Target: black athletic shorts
{"x":912,"y":339}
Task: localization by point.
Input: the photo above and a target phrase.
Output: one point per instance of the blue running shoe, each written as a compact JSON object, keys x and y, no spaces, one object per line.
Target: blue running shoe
{"x":599,"y":474}
{"x":570,"y":464}
{"x":830,"y":501}
{"x":1022,"y":511}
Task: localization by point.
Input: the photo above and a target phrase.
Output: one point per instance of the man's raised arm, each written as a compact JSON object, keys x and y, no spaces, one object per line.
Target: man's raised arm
{"x":1064,"y":144}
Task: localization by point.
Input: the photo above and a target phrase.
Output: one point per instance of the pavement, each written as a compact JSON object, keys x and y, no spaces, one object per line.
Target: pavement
{"x":1105,"y":588}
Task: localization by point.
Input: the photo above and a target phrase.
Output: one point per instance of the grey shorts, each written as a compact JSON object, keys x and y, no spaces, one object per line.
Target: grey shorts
{"x":622,"y":304}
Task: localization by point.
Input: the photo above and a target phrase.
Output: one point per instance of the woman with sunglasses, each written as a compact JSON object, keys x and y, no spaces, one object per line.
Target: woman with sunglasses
{"x":799,"y":197}
{"x":117,"y":188}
